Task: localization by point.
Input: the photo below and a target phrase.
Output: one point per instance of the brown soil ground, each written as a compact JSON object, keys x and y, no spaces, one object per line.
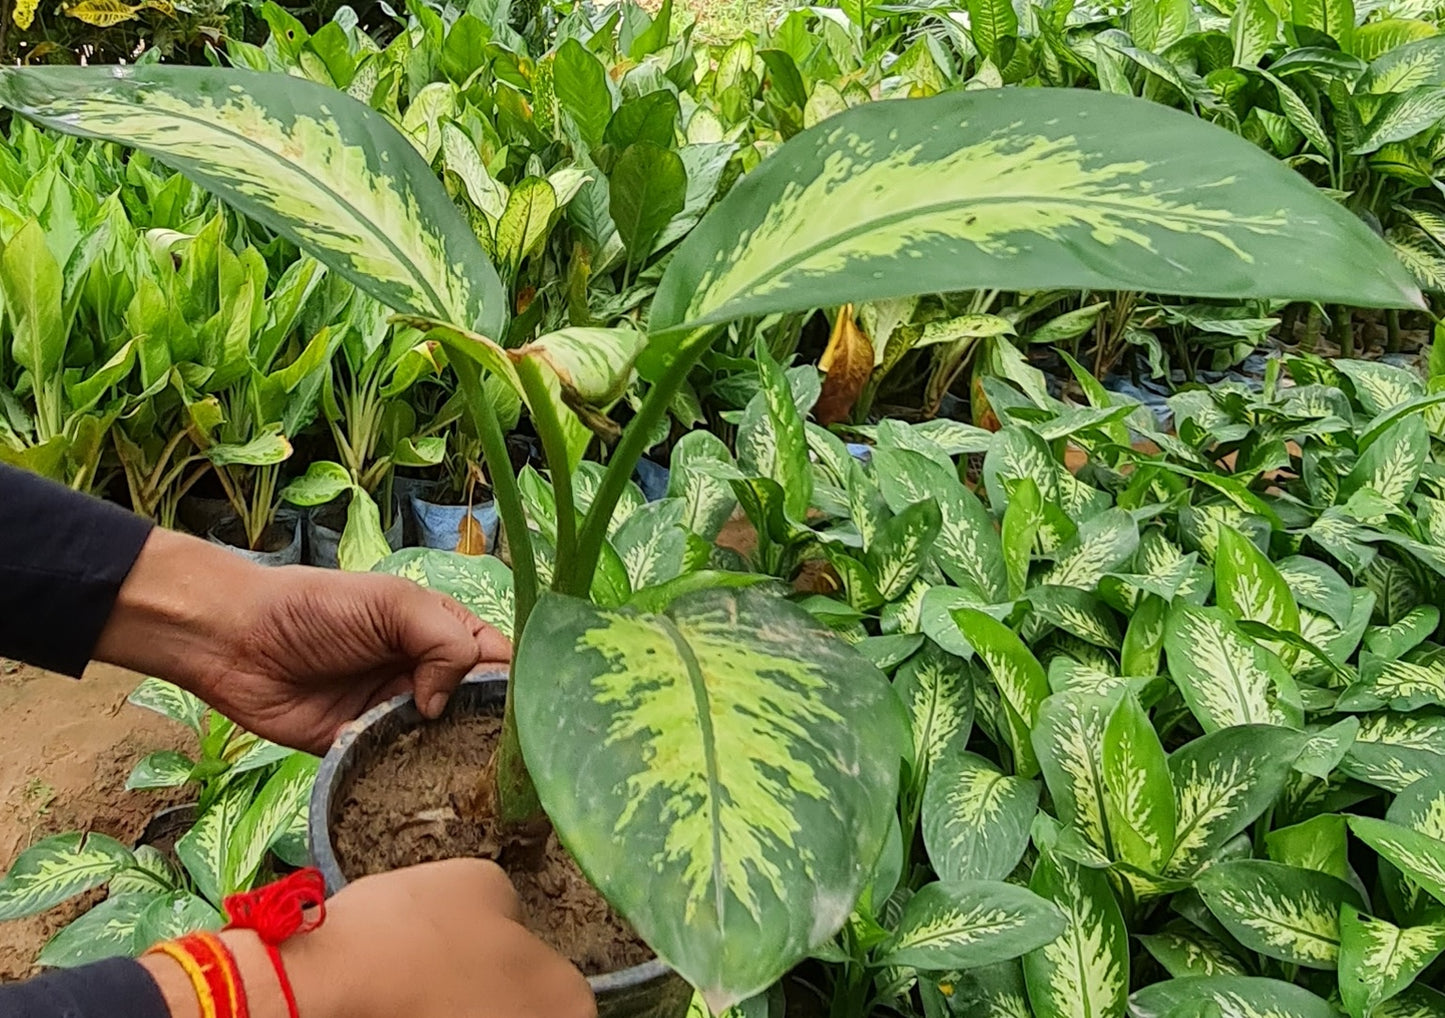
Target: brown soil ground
{"x":409,"y":806}
{"x":65,"y":752}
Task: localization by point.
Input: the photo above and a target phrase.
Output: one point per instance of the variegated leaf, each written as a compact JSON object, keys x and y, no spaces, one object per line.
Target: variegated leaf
{"x":1316,"y":586}
{"x":1379,"y":959}
{"x":653,"y":544}
{"x":1018,"y":675}
{"x":1186,"y":951}
{"x":989,"y":991}
{"x":1140,"y":804}
{"x":174,"y":915}
{"x":1227,"y":678}
{"x":1418,"y":856}
{"x":951,"y":925}
{"x":152,"y":872}
{"x":1077,"y":613}
{"x":1067,"y":675}
{"x":935,"y":615}
{"x":1016,"y":454}
{"x":320,"y":168}
{"x":1391,"y":466}
{"x":1421,"y":807}
{"x":270,"y":815}
{"x":1224,"y":781}
{"x":976,"y":818}
{"x":967,"y":546}
{"x":1280,"y":911}
{"x":734,"y":751}
{"x":1084,"y":973}
{"x":1068,"y":740}
{"x":1232,"y":996}
{"x":900,"y":547}
{"x":1394,"y":751}
{"x":1406,"y":684}
{"x":1103,"y":543}
{"x":106,"y":931}
{"x":1414,"y":627}
{"x":1416,"y":1002}
{"x":57,"y":868}
{"x":1381,"y":387}
{"x":204,"y":850}
{"x":708,"y":499}
{"x":482,"y":583}
{"x":170,"y":702}
{"x":164,"y":769}
{"x":990,"y":184}
{"x":1248,"y":586}
{"x":937,"y":691}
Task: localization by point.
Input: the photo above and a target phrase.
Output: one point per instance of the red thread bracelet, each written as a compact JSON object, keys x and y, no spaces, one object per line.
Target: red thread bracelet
{"x":277,"y":912}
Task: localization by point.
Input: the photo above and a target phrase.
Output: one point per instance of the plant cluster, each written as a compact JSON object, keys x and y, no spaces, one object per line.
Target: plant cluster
{"x":248,"y":820}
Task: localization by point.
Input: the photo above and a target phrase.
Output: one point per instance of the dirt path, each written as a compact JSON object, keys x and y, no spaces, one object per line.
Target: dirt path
{"x":66,"y":748}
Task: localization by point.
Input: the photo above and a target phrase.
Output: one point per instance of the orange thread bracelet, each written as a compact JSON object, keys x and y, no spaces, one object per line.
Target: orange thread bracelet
{"x":212,"y":971}
{"x":277,"y":912}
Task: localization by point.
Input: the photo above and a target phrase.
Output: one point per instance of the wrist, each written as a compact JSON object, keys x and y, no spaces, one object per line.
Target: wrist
{"x":258,"y":978}
{"x":178,"y":609}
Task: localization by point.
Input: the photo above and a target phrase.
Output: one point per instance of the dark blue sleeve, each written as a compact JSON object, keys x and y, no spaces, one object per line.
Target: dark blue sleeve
{"x":63,"y":557}
{"x":118,"y":988}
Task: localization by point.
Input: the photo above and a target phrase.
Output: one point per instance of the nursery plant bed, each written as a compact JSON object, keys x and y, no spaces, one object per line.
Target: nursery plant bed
{"x":393,"y":792}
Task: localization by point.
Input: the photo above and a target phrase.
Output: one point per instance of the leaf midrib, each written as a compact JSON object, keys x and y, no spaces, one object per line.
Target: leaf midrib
{"x":710,"y":759}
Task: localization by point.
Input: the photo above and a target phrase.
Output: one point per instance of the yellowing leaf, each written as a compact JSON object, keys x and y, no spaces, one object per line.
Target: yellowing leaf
{"x":101,"y":13}
{"x":847,"y":363}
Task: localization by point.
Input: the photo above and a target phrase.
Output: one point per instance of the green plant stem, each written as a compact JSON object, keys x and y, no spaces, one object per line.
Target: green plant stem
{"x":1344,"y":330}
{"x":554,"y":446}
{"x":506,"y":781}
{"x":1393,"y":340}
{"x":504,"y":489}
{"x":624,"y":458}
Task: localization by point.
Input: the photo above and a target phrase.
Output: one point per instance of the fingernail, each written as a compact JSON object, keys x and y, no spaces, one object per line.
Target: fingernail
{"x":436,"y":705}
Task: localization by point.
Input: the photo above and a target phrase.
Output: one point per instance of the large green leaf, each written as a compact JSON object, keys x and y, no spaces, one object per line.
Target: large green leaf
{"x":1224,"y":781}
{"x":1248,"y":586}
{"x":1282,"y":912}
{"x":1419,"y":856}
{"x":1394,"y":751}
{"x":205,"y":849}
{"x":976,"y":818}
{"x":1019,"y":189}
{"x":1226,"y":677}
{"x":1235,"y":996}
{"x":272,"y":813}
{"x":317,"y":166}
{"x":1379,"y":959}
{"x":482,"y":583}
{"x":57,"y":868}
{"x":1068,"y":739}
{"x":1085,"y":972}
{"x":969,"y":923}
{"x":1022,"y":683}
{"x":1140,"y":802}
{"x":968,"y":545}
{"x":107,"y":931}
{"x":937,"y":691}
{"x":725,"y":773}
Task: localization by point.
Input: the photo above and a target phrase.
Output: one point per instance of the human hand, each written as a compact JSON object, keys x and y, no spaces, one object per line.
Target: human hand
{"x":290,"y":653}
{"x":440,"y":940}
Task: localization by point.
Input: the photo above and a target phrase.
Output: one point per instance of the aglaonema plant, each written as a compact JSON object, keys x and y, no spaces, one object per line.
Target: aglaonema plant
{"x":723,"y":769}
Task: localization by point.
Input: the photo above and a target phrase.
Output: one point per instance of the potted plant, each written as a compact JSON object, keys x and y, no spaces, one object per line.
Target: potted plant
{"x":720,"y":767}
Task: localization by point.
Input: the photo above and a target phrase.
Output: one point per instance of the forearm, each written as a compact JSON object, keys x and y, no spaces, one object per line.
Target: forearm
{"x":178,"y":608}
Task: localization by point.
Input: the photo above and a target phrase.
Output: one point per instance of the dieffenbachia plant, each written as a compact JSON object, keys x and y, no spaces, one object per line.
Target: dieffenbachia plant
{"x":723,"y":769}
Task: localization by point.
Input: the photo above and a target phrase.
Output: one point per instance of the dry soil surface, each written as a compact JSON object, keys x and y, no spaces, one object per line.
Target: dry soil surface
{"x":66,"y":748}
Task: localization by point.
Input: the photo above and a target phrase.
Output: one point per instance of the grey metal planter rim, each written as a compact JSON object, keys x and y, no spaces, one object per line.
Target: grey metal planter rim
{"x":328,"y":781}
